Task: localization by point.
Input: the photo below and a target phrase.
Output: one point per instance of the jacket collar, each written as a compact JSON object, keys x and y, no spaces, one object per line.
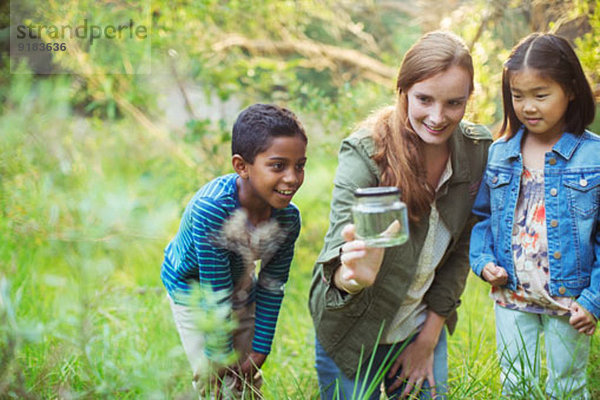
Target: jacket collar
{"x":565,"y":146}
{"x":513,"y":145}
{"x":459,"y":158}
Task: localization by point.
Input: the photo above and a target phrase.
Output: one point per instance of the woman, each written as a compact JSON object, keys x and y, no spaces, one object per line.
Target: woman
{"x":367,"y":303}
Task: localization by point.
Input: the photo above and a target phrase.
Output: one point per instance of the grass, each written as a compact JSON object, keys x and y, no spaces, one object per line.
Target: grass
{"x":85,"y":213}
{"x":90,"y":325}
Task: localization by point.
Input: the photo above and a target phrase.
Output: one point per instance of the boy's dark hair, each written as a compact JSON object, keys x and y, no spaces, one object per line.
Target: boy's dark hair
{"x":258,"y":124}
{"x":554,"y":58}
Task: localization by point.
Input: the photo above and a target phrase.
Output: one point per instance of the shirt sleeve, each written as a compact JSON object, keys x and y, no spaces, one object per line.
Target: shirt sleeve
{"x":270,"y":287}
{"x":213,"y":273}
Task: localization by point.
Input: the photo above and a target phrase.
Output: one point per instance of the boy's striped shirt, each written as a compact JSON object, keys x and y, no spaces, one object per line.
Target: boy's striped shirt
{"x":193,"y":257}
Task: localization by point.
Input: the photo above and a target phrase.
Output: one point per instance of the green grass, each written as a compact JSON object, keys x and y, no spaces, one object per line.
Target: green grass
{"x":86,"y":209}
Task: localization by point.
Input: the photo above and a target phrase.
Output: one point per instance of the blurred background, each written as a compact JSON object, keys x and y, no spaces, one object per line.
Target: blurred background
{"x":100,"y":153}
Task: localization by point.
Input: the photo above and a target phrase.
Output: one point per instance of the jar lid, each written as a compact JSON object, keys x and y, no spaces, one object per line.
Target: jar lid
{"x":376,"y":191}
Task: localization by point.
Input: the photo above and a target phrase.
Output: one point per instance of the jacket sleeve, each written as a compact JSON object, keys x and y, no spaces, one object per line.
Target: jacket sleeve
{"x":355,"y":170}
{"x":443,"y":296}
{"x":482,"y":241}
{"x":590,"y":297}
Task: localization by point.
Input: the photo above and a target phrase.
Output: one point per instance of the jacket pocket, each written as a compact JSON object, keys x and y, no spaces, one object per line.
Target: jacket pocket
{"x":498,"y":184}
{"x":352,"y":305}
{"x":583,"y":193}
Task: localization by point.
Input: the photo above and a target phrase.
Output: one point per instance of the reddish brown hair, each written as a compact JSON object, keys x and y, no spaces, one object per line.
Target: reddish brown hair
{"x":399,"y":153}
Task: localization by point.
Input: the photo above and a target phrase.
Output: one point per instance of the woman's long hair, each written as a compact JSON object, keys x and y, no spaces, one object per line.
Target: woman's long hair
{"x":399,"y":153}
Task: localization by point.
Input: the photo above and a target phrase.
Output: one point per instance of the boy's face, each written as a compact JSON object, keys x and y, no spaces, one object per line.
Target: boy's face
{"x":276,"y":174}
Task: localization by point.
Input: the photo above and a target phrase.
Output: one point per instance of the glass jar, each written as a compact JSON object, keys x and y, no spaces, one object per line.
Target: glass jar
{"x":375,"y":212}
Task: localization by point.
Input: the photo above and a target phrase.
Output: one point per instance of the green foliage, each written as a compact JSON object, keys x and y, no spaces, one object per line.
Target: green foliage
{"x":94,"y":177}
{"x":589,"y":43}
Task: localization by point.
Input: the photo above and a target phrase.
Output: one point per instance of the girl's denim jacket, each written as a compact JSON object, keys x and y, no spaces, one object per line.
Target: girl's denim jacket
{"x":572,"y":197}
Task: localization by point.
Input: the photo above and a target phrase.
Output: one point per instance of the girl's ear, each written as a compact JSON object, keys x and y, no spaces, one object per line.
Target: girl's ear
{"x":240,"y":166}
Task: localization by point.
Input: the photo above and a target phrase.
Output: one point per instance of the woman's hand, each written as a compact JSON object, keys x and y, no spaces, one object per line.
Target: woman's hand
{"x":416,"y":366}
{"x":582,"y":320}
{"x":360,"y":264}
{"x":495,"y":275}
{"x":415,"y":363}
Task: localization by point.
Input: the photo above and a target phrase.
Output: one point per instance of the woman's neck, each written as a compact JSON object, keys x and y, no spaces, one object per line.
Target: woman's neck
{"x":436,"y":157}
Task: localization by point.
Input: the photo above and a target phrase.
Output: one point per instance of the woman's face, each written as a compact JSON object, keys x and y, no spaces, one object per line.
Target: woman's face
{"x":437,"y":104}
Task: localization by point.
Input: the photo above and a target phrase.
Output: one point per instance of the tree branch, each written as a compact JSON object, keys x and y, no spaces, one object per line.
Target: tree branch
{"x":374,"y":69}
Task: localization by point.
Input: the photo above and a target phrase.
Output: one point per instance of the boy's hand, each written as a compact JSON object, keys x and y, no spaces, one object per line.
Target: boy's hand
{"x":248,"y":369}
{"x":360,"y":264}
{"x":582,"y":320}
{"x":216,"y":380}
{"x":495,"y":275}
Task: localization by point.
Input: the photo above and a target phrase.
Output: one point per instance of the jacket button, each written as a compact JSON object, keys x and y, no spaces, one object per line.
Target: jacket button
{"x":583,"y":182}
{"x":562,"y":290}
{"x":557,"y":255}
{"x":552,"y":161}
{"x":554,"y":223}
{"x":553,"y":191}
{"x":495,"y":179}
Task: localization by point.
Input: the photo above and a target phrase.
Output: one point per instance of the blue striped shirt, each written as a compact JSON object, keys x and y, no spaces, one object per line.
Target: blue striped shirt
{"x":193,"y":257}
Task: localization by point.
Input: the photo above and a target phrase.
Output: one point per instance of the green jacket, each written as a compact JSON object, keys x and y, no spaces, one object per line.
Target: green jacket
{"x":347,"y":325}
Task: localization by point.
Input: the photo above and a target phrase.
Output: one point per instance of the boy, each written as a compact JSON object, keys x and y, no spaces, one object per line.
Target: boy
{"x":229,"y":224}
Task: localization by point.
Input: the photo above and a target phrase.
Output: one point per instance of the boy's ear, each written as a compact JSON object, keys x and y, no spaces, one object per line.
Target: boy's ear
{"x":240,"y":166}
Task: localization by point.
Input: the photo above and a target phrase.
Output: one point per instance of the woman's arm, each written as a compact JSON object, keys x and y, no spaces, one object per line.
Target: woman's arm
{"x":355,"y":169}
{"x":443,"y":296}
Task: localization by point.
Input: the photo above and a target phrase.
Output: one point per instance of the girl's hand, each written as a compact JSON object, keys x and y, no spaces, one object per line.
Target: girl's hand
{"x":582,"y":320}
{"x":495,"y":275}
{"x":360,"y":264}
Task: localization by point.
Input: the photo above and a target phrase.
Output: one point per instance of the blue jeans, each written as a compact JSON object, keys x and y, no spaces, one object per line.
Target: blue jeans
{"x":333,"y":384}
{"x":518,"y":342}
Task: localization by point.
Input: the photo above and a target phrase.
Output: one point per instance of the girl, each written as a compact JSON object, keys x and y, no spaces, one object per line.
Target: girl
{"x":538,"y":241}
{"x":410,"y":291}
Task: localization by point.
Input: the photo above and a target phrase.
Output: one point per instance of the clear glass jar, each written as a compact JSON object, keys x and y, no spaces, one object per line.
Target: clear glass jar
{"x":375,"y":211}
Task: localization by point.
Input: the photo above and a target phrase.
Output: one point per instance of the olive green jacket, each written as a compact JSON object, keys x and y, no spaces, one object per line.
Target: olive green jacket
{"x":347,"y":325}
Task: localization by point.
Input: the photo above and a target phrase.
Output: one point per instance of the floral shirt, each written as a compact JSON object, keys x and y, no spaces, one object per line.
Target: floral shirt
{"x":530,"y":254}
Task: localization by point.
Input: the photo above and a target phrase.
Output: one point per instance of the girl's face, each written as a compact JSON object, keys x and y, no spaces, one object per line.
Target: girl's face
{"x":437,"y":104}
{"x":539,"y":103}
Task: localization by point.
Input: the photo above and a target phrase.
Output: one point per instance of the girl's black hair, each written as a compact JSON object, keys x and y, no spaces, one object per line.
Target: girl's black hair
{"x":553,"y":58}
